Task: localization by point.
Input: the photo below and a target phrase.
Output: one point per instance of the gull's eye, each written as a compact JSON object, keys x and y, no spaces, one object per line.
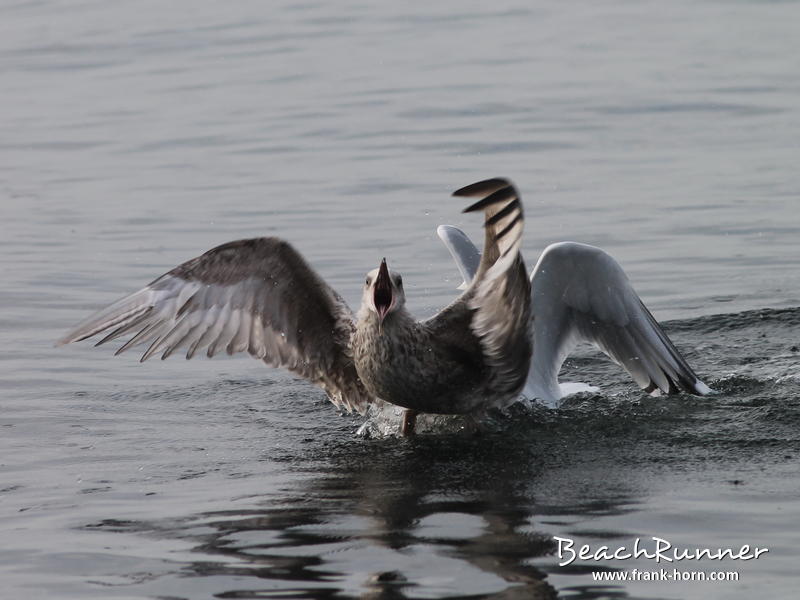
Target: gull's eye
{"x":399,"y":281}
{"x":368,"y":281}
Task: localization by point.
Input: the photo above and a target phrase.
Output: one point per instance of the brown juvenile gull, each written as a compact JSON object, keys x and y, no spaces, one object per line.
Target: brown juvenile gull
{"x":579,"y":293}
{"x":260,"y":296}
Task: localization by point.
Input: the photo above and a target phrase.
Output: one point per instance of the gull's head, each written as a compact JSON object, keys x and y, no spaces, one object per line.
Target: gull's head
{"x":383,"y":291}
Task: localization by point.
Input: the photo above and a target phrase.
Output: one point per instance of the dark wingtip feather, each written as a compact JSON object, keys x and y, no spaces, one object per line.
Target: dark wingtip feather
{"x":505,"y":193}
{"x":151,"y":350}
{"x":481,"y":188}
{"x":126,"y":327}
{"x":508,"y":228}
{"x":68,"y":339}
{"x":512,"y":206}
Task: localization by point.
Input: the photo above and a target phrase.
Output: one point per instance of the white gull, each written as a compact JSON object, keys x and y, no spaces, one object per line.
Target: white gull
{"x":579,"y":293}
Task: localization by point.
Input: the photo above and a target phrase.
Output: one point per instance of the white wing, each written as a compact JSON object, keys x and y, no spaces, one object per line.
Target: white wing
{"x":257,"y":296}
{"x":463,"y":251}
{"x":579,"y":293}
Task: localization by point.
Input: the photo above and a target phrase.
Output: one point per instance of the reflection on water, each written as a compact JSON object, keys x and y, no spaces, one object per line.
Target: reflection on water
{"x":377,"y":516}
{"x":394,"y":511}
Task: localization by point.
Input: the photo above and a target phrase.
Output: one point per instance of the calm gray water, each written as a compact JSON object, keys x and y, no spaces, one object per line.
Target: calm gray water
{"x":136,"y":135}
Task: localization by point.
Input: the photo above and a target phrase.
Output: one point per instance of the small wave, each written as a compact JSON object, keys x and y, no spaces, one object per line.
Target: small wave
{"x":733,"y":321}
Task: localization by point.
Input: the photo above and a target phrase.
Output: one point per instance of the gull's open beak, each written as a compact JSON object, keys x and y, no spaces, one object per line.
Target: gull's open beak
{"x":382,"y":296}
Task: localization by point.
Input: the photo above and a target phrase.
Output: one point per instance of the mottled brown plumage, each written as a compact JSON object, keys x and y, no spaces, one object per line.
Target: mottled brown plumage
{"x":260,"y":296}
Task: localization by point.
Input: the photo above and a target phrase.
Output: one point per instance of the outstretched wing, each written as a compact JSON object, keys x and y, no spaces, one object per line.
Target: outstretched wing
{"x":257,"y":296}
{"x":499,"y":294}
{"x":581,"y":294}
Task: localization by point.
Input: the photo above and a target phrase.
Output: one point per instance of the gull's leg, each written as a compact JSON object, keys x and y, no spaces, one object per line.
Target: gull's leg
{"x":409,"y":421}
